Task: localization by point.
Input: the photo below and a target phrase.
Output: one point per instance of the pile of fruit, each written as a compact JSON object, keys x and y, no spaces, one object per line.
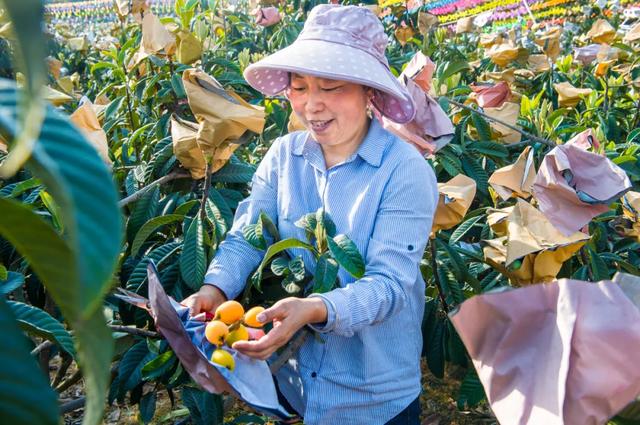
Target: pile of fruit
{"x":229,"y":325}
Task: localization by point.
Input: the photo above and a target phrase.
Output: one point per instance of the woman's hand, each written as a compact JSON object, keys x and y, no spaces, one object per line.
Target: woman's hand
{"x":288,"y":315}
{"x":208,"y":298}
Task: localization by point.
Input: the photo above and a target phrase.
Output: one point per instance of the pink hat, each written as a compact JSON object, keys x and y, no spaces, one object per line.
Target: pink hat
{"x":344,"y":43}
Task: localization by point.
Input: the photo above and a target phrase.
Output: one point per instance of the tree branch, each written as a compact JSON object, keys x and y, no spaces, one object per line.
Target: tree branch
{"x":135,"y":331}
{"x":162,"y":180}
{"x":44,"y":345}
{"x":436,"y":278}
{"x":526,"y":134}
{"x":72,"y":405}
{"x":290,"y":350}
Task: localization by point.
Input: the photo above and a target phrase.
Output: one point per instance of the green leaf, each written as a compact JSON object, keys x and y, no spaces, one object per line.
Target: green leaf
{"x":269,"y":225}
{"x":4,"y":274}
{"x":11,"y":283}
{"x":148,"y":406}
{"x":471,"y":391}
{"x":159,"y":255}
{"x":216,"y":218}
{"x":30,"y":51}
{"x":451,"y":68}
{"x":150,"y":227}
{"x":205,"y":408}
{"x":490,"y":148}
{"x":193,"y":261}
{"x":482,"y":126}
{"x":25,"y":394}
{"x":273,"y":250}
{"x":54,"y":209}
{"x":143,"y":210}
{"x":82,"y":186}
{"x":178,"y":87}
{"x":435,"y":347}
{"x":252,"y":233}
{"x":346,"y":253}
{"x":326,"y":274}
{"x":473,"y":169}
{"x":132,"y":361}
{"x":450,"y":285}
{"x":46,"y":252}
{"x":308,"y":222}
{"x":234,"y":173}
{"x":597,"y":265}
{"x":39,"y":322}
{"x":223,"y":206}
{"x":94,"y":346}
{"x":24,"y":186}
{"x":463,"y":228}
{"x":459,"y":267}
{"x":77,"y":272}
{"x":279,"y":266}
{"x":323,"y":219}
{"x":158,"y":366}
{"x":296,"y":266}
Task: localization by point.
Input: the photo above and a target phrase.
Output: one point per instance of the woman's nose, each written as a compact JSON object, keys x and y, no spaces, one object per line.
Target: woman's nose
{"x":314,"y":102}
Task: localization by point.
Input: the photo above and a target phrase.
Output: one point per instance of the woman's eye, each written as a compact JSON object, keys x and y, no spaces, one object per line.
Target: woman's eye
{"x":297,"y":88}
{"x":330,"y":88}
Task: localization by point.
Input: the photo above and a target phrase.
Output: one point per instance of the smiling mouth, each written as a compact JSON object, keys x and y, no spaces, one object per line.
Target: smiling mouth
{"x":317,"y":125}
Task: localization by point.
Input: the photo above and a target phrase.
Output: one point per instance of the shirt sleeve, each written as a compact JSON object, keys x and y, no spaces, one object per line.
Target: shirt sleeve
{"x":236,"y":258}
{"x":400,"y":235}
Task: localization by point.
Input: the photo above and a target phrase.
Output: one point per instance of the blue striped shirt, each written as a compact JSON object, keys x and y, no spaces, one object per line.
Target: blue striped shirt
{"x":364,"y":366}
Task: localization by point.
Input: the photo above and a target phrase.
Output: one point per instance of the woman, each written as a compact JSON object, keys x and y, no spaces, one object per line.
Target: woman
{"x":364,"y":366}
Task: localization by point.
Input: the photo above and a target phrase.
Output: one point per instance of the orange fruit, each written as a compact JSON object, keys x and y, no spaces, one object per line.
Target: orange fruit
{"x":250,"y":317}
{"x":229,"y":312}
{"x":240,"y":334}
{"x":216,"y":332}
{"x":223,"y":358}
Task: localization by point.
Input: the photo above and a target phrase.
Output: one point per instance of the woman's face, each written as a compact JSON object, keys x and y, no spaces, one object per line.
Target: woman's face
{"x":335,"y":112}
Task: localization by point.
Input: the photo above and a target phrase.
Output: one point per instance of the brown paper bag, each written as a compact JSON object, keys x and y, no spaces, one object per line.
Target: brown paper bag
{"x":550,"y":42}
{"x":508,"y":75}
{"x":633,"y":34}
{"x":78,"y":44}
{"x":185,"y":147}
{"x":568,"y":95}
{"x":515,"y":180}
{"x":223,"y":115}
{"x":54,"y":67}
{"x":507,"y":113}
{"x":86,"y":120}
{"x":465,"y":25}
{"x":456,"y":197}
{"x":426,"y":21}
{"x":487,"y":40}
{"x":55,"y":97}
{"x":602,"y":32}
{"x":189,"y":48}
{"x":497,"y":220}
{"x":533,"y":250}
{"x":502,"y":54}
{"x":403,"y":34}
{"x":538,"y":63}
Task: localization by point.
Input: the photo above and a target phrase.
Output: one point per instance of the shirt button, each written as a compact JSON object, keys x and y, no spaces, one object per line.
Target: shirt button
{"x":313,"y":374}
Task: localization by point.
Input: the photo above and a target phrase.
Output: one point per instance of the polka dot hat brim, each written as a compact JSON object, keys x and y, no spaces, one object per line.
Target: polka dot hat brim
{"x":335,"y":61}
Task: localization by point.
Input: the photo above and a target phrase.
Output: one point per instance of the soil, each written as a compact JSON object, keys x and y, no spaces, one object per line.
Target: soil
{"x":437,"y":401}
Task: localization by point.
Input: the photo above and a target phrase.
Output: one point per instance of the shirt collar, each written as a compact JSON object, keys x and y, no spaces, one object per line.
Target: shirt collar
{"x":371,"y":149}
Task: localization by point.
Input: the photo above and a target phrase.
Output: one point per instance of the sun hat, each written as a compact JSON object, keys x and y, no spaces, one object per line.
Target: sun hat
{"x":340,"y":43}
